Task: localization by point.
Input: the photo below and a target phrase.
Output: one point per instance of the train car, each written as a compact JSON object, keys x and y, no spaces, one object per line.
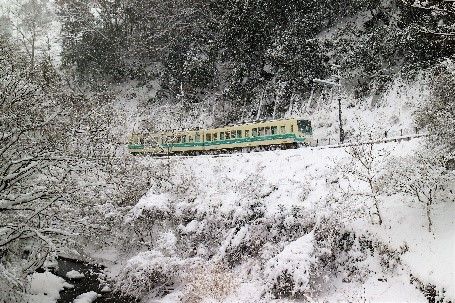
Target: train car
{"x":283,"y":133}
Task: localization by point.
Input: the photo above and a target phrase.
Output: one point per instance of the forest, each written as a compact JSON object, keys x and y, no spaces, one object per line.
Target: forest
{"x":77,"y":77}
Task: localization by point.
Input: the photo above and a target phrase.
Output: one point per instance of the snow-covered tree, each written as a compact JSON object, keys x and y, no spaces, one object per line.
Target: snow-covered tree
{"x":365,"y":167}
{"x":33,"y":174}
{"x":423,"y":177}
{"x":437,"y":114}
{"x":31,"y":20}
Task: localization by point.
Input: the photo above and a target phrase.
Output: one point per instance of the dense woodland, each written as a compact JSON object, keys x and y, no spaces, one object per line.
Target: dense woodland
{"x":63,"y":166}
{"x":237,"y":52}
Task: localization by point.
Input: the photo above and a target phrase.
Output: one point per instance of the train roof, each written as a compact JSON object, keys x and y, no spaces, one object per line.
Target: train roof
{"x":226,"y":126}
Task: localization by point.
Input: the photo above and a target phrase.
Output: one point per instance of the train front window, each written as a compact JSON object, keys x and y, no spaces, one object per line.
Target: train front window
{"x":304,"y":126}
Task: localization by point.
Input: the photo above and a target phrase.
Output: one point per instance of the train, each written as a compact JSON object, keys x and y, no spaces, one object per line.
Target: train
{"x":258,"y":135}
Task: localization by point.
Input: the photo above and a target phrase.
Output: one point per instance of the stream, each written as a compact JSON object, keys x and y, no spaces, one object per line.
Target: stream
{"x":90,"y":282}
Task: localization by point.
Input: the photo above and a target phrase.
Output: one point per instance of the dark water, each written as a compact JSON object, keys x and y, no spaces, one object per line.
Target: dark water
{"x":91,"y":282}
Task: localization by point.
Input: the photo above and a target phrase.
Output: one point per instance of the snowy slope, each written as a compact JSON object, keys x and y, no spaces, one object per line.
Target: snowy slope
{"x":311,"y":179}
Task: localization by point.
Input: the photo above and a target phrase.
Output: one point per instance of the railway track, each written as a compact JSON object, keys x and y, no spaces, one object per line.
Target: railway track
{"x":312,"y":145}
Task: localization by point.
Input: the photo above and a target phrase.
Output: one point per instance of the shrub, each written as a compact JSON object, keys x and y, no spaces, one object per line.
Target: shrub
{"x":146,"y":272}
{"x":288,"y":273}
{"x":212,"y":281}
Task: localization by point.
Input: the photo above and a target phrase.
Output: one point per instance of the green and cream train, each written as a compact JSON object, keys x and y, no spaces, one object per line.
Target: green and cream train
{"x":283,"y":133}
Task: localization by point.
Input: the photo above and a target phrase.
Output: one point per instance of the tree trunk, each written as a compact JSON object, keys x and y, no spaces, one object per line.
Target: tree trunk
{"x":307,"y":105}
{"x":430,"y":223}
{"x":260,"y":106}
{"x":275,"y":106}
{"x":377,"y":210}
{"x":291,"y":106}
{"x":32,"y":59}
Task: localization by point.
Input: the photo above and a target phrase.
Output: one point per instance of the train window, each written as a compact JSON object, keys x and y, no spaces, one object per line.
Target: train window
{"x":282,"y":129}
{"x":304,"y":126}
{"x":215,"y":136}
{"x":247,"y":133}
{"x":208,"y":137}
{"x":183,"y":138}
{"x":267,"y":130}
{"x":221,"y":136}
{"x":190,"y":139}
{"x":255,"y":132}
{"x":197,"y":138}
{"x":239,"y":134}
{"x":274,"y":130}
{"x":228,"y":135}
{"x":261,"y":131}
{"x":233,"y":134}
{"x":292,"y":128}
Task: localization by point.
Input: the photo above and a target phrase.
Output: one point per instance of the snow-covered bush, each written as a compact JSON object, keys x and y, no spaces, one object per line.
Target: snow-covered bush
{"x":351,"y":260}
{"x":199,"y":237}
{"x":146,"y":272}
{"x":289,"y":272}
{"x":210,"y":281}
{"x":358,"y":255}
{"x":148,"y":216}
{"x":242,"y":243}
{"x":11,"y":288}
{"x":287,"y":223}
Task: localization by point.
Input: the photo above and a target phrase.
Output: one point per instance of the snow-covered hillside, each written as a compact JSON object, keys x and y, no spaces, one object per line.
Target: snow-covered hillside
{"x":292,"y":223}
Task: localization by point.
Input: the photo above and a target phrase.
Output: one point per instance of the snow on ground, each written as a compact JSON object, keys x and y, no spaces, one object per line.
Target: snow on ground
{"x":303,"y":177}
{"x":87,"y":297}
{"x":74,"y":274}
{"x":45,"y":287}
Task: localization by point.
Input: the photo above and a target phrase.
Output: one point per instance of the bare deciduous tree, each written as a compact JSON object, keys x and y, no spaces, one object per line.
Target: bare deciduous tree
{"x":424,"y":178}
{"x":33,"y":172}
{"x":365,"y":167}
{"x":31,"y":20}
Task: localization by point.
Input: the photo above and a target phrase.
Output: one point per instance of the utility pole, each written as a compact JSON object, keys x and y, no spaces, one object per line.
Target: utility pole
{"x":341,"y":121}
{"x":334,"y":83}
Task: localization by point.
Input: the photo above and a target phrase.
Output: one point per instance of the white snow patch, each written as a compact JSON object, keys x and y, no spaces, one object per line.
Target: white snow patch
{"x":106,"y":289}
{"x":152,"y":202}
{"x":74,"y":274}
{"x":87,"y":297}
{"x":45,"y":287}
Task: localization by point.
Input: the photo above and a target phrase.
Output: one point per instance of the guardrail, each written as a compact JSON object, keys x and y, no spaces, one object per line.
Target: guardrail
{"x":376,"y":137}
